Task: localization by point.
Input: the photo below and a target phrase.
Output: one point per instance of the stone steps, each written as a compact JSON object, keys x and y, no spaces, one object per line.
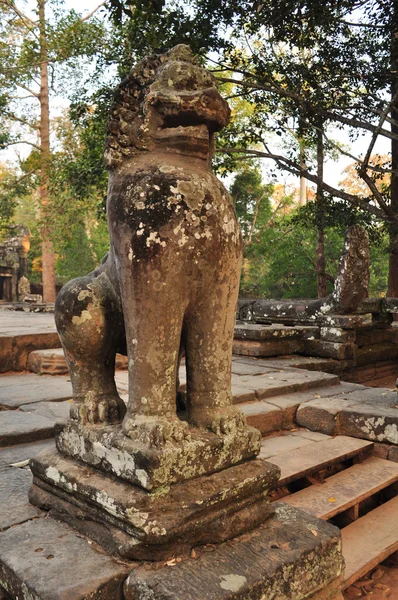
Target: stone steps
{"x":52,"y":362}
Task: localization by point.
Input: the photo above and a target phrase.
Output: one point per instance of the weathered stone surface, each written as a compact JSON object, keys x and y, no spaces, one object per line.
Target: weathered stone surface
{"x":14,"y":504}
{"x":266,"y":348}
{"x":375,"y":353}
{"x":49,"y":362}
{"x":322,"y":415}
{"x":57,"y":412}
{"x":23,"y":452}
{"x":334,"y":350}
{"x":289,"y":403}
{"x":46,"y":560}
{"x":291,"y":381}
{"x":370,"y":414}
{"x":390,"y":304}
{"x":370,"y":423}
{"x":202,"y":453}
{"x":241,"y":394}
{"x":255,"y":332}
{"x":337,"y":334}
{"x":52,"y":362}
{"x":18,"y":428}
{"x":277,"y":311}
{"x":263,"y":416}
{"x":207,"y":509}
{"x":19,"y":389}
{"x":351,"y":286}
{"x":366,"y":336}
{"x":292,"y":556}
{"x":14,"y":350}
{"x":346,"y":321}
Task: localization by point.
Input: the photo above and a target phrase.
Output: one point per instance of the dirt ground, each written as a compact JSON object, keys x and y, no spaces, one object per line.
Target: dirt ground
{"x":380,"y":583}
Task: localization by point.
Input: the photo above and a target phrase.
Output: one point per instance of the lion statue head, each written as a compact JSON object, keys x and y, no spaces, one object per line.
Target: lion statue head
{"x":169,"y":103}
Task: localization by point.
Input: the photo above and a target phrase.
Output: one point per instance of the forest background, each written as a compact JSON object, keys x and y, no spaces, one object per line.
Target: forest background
{"x":300,"y":76}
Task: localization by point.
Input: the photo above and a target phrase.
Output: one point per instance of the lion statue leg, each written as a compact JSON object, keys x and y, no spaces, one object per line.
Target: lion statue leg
{"x":153,"y":307}
{"x":90,"y":324}
{"x":208,"y":336}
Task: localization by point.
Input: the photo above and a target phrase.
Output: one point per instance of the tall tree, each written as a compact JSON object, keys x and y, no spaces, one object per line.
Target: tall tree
{"x":38,"y":55}
{"x":301,"y":61}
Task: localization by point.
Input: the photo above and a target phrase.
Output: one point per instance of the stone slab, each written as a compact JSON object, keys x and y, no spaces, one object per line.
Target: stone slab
{"x":336,"y":334}
{"x":275,"y":347}
{"x":52,"y":362}
{"x":28,"y":388}
{"x":46,"y":560}
{"x":23,"y":452}
{"x":290,"y":381}
{"x":57,"y":412}
{"x":346,"y":321}
{"x":14,"y":505}
{"x":370,"y":414}
{"x":256,"y":332}
{"x":203,"y":452}
{"x":207,"y":509}
{"x":322,"y":414}
{"x":292,"y":556}
{"x":263,"y":416}
{"x":289,"y":403}
{"x":15,"y":349}
{"x":241,"y":394}
{"x":19,"y":427}
{"x":335,"y":350}
{"x":375,"y":353}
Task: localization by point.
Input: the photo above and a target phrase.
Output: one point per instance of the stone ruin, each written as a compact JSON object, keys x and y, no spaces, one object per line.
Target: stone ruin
{"x":352,"y":332}
{"x":147,"y":481}
{"x":13,"y":266}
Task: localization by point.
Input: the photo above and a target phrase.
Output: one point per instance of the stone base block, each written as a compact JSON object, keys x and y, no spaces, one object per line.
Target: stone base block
{"x":292,"y":556}
{"x":108,"y":449}
{"x":152,"y":526}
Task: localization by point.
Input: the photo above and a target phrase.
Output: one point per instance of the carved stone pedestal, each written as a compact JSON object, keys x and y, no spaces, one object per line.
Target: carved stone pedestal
{"x":135,"y":524}
{"x":149,"y":466}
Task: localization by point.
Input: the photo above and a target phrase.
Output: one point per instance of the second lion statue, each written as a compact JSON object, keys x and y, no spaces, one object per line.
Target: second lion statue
{"x":173,"y":269}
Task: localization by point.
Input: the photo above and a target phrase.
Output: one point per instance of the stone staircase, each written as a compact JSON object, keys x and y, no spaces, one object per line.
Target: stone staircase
{"x":343,"y":479}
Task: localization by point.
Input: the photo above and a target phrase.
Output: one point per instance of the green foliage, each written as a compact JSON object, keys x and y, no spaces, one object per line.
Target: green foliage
{"x":251,"y":198}
{"x":282,"y":263}
{"x":82,"y":251}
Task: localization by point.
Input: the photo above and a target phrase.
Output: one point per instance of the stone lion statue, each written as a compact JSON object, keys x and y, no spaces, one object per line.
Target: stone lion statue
{"x":172,"y":272}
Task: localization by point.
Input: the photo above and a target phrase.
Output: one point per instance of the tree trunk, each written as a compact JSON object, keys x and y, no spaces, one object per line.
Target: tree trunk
{"x":393,"y":262}
{"x":303,"y":181}
{"x":47,"y":249}
{"x":320,"y":250}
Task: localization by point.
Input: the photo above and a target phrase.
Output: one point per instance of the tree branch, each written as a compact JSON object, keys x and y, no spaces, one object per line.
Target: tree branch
{"x":295,"y":169}
{"x":23,"y":142}
{"x":92,"y":13}
{"x":28,"y":90}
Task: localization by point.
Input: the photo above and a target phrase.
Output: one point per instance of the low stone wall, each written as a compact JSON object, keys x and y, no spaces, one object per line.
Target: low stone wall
{"x":365,"y":344}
